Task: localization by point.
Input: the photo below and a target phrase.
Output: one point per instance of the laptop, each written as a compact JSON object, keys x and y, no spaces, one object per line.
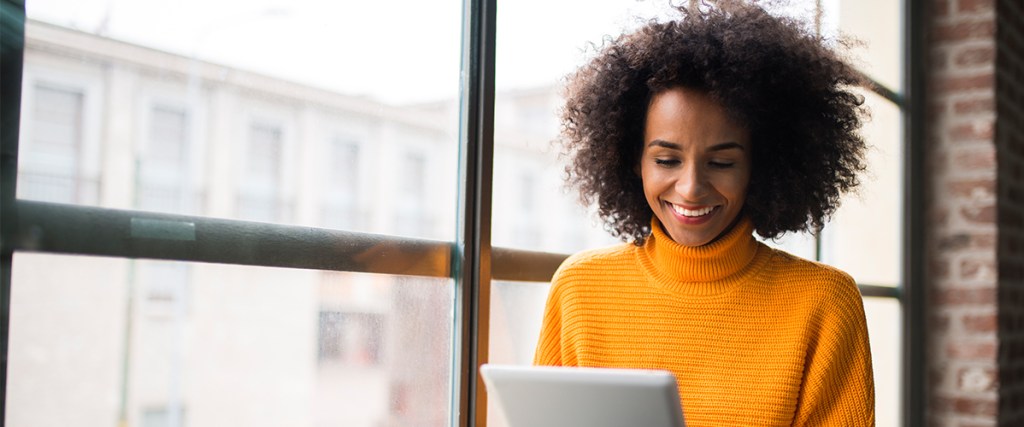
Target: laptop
{"x":545,"y":396}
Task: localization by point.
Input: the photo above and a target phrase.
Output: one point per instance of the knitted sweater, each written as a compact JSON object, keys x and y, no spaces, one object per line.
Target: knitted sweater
{"x":754,"y":335}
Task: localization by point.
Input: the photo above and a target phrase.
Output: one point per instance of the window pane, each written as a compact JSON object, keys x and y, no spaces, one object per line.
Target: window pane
{"x":884,"y":320}
{"x":878,"y":26}
{"x":517,"y":309}
{"x":241,"y":110}
{"x":215,"y":345}
{"x":531,"y":207}
{"x":50,"y":155}
{"x":865,"y":235}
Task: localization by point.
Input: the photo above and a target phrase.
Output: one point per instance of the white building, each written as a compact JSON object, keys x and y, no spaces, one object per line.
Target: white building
{"x":146,"y":343}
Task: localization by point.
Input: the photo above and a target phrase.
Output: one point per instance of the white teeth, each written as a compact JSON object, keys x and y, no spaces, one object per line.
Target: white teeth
{"x":687,"y":212}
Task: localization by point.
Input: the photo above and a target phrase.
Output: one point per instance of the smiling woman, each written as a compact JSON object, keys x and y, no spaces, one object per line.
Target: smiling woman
{"x":695,"y":166}
{"x":686,"y":153}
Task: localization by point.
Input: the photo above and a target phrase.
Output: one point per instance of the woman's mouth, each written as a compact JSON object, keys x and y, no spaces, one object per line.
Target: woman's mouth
{"x":692,"y":213}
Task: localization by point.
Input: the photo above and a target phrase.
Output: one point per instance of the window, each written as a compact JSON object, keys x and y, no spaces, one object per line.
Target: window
{"x":163,"y":417}
{"x":342,"y":186}
{"x":362,"y":286}
{"x":51,"y":160}
{"x":165,"y":176}
{"x":260,"y":198}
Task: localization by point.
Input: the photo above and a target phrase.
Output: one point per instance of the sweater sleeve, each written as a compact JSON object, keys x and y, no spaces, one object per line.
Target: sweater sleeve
{"x":838,"y":385}
{"x":549,"y":345}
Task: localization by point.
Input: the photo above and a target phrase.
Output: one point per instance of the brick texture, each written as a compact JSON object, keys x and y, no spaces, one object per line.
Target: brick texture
{"x":975,"y":213}
{"x":1009,"y":139}
{"x":963,"y":209}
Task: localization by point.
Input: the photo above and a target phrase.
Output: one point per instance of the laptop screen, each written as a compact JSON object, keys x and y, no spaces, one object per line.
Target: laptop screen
{"x":542,"y":396}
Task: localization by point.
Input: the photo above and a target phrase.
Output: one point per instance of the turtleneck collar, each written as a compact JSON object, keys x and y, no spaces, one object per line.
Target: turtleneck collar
{"x":701,"y":270}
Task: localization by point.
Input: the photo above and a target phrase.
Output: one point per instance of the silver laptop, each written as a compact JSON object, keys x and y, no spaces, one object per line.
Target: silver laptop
{"x":543,"y":396}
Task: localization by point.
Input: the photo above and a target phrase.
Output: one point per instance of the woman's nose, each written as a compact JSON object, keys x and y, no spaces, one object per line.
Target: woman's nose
{"x":691,"y":183}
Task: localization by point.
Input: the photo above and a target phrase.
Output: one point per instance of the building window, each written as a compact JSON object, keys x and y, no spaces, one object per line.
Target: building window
{"x":165,"y":183}
{"x":163,"y":416}
{"x":342,"y":186}
{"x":351,"y":339}
{"x":412,"y":218}
{"x":260,"y":197}
{"x":50,"y":169}
{"x":164,"y":287}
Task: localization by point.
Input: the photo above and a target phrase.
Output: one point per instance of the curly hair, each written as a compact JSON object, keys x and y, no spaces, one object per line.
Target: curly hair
{"x":789,"y":89}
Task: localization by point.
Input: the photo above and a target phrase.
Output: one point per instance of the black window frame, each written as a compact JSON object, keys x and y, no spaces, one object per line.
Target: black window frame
{"x":470,"y":259}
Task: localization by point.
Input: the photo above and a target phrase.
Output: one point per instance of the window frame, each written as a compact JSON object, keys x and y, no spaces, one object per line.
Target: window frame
{"x":469,"y":259}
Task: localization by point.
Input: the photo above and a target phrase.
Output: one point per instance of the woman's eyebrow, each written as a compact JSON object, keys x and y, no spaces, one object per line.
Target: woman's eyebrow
{"x":663,"y":143}
{"x":726,"y":146}
{"x":717,"y":147}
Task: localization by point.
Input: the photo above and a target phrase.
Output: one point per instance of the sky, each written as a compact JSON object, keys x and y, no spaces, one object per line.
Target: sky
{"x":399,"y":51}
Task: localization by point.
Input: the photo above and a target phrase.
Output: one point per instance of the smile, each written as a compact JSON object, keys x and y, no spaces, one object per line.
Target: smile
{"x":691,"y":213}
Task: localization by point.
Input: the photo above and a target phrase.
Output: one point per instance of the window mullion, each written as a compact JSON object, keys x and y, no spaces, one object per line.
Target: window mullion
{"x":473,"y":245}
{"x":12,"y":52}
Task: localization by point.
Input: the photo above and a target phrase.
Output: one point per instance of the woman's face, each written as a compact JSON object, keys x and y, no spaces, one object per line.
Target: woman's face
{"x":695,"y":165}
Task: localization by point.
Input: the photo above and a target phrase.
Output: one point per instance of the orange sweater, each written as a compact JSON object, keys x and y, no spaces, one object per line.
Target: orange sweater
{"x":754,"y":336}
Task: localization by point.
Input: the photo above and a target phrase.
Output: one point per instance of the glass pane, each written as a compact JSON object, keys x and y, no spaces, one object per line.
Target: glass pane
{"x":864,"y":237}
{"x":287,"y":112}
{"x":884,"y":320}
{"x":877,"y":25}
{"x":102,"y":342}
{"x":517,"y":309}
{"x":531,"y":207}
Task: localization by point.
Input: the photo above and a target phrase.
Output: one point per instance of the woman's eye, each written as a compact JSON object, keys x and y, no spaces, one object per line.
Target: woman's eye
{"x":666,"y":162}
{"x":721,"y":165}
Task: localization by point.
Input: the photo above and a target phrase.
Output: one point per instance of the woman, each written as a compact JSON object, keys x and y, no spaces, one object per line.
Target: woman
{"x":689,"y":136}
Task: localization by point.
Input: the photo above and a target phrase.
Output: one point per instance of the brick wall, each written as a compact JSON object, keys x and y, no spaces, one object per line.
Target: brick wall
{"x":961,"y":236}
{"x":1010,"y":194}
{"x":975,"y":204}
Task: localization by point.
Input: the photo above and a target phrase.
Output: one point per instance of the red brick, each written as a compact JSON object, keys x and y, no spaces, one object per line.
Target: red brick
{"x":938,"y":217}
{"x":981,"y":322}
{"x":962,"y":31}
{"x":975,"y":105}
{"x":983,"y":241}
{"x":979,"y":407}
{"x":938,"y":269}
{"x":975,"y":56}
{"x":961,"y":350}
{"x":964,"y":297}
{"x":973,"y":189}
{"x":983,"y":160}
{"x":940,"y":8}
{"x":939,"y":323}
{"x":936,"y":109}
{"x":965,"y":83}
{"x":939,"y":59}
{"x":985,"y":214}
{"x":974,"y":6}
{"x":978,"y":269}
{"x":978,"y":130}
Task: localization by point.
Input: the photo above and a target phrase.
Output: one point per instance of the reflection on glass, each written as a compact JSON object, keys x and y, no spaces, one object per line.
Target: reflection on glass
{"x":103,"y":342}
{"x":865,"y":235}
{"x":297,"y":113}
{"x":884,"y":319}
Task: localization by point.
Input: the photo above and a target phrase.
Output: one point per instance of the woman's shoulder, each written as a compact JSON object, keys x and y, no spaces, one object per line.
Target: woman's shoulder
{"x":599,"y":256}
{"x":811,"y":275}
{"x":597,"y":261}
